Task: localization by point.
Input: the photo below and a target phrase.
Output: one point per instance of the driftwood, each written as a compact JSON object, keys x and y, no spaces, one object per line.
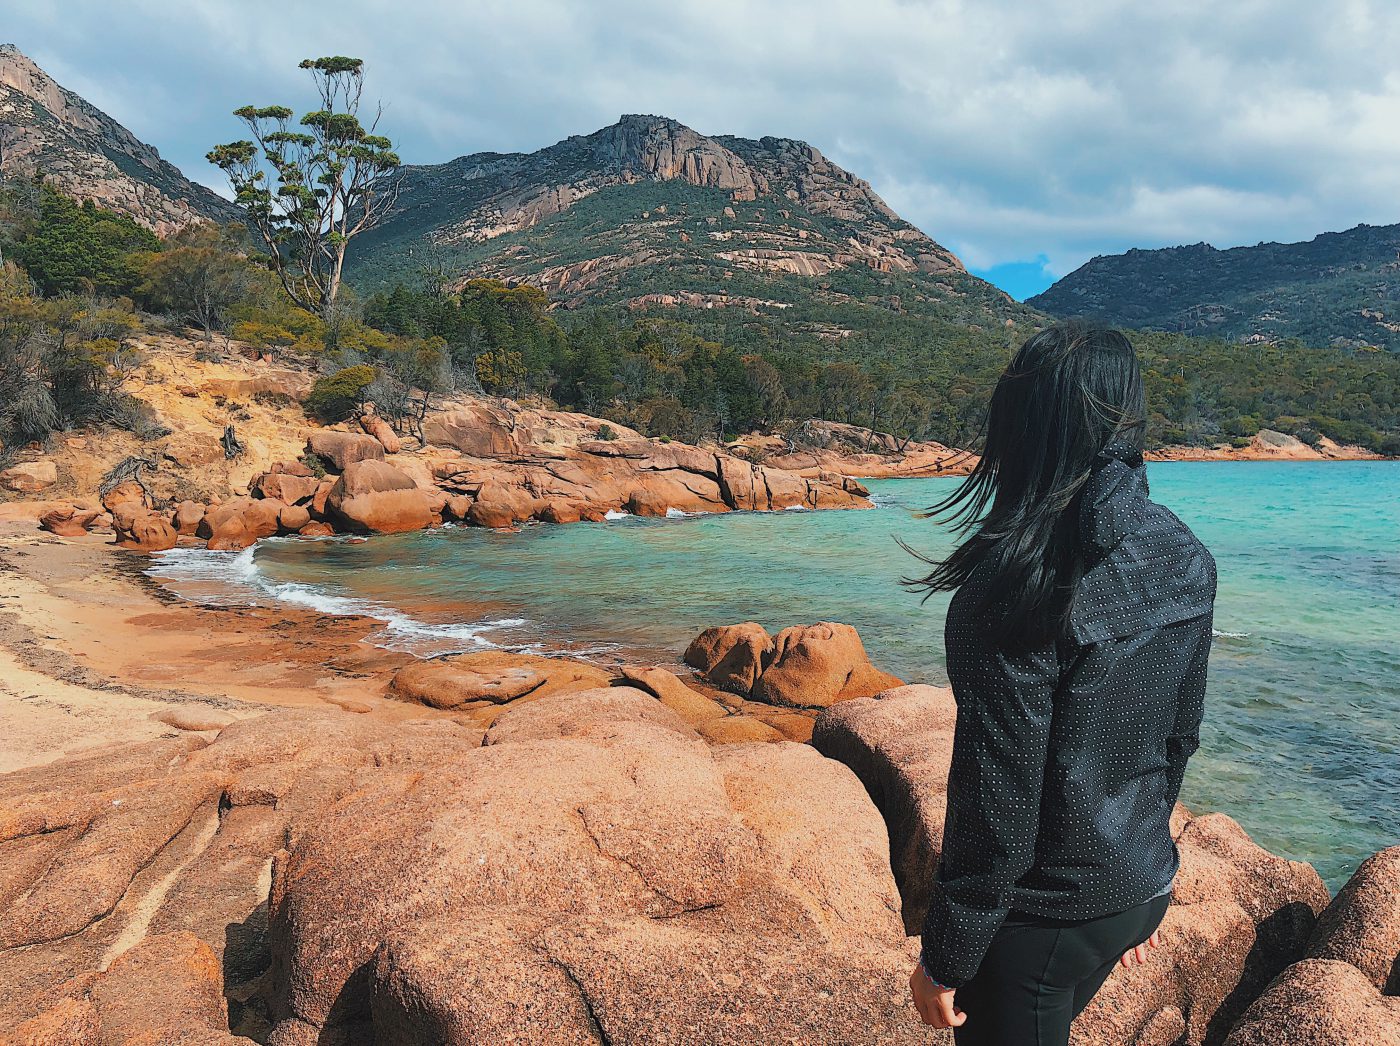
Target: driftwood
{"x":128,"y":470}
{"x":232,"y":447}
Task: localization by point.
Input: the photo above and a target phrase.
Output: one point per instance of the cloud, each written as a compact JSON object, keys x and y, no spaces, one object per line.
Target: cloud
{"x":1008,"y":131}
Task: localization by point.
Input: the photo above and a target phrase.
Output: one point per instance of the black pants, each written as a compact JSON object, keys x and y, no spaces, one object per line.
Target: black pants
{"x":1039,"y":973}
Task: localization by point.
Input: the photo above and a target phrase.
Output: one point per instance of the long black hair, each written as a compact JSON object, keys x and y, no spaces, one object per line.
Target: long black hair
{"x":1071,"y":390}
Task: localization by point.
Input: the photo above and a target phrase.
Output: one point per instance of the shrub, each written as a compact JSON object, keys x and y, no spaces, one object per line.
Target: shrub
{"x":315,"y":464}
{"x":335,"y":396}
{"x":605,"y":432}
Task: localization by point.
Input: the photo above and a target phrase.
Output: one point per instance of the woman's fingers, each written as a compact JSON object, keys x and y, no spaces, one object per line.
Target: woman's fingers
{"x":1139,"y":953}
{"x":952,"y":1016}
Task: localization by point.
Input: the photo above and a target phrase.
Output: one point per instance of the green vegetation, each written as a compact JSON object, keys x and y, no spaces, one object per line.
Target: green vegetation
{"x":201,"y":274}
{"x":63,"y":362}
{"x":336,"y":396}
{"x":71,"y":248}
{"x":899,"y":352}
{"x":718,"y":372}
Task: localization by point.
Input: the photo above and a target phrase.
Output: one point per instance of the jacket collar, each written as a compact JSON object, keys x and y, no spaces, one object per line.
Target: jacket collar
{"x":1143,"y":567}
{"x":1110,"y":505}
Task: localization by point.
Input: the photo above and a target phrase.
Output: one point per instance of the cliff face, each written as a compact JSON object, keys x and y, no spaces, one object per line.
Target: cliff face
{"x":1340,"y":288}
{"x":79,"y":149}
{"x":649,"y":211}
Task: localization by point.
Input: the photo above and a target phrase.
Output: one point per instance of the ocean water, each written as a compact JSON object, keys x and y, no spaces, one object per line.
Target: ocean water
{"x":1301,"y":741}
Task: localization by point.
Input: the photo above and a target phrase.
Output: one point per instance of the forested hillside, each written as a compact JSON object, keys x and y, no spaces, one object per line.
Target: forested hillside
{"x":1340,"y":289}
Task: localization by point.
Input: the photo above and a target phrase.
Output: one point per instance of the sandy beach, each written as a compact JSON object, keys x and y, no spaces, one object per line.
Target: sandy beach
{"x":94,"y":652}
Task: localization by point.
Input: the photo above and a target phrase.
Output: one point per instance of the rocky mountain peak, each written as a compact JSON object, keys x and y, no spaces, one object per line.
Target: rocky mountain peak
{"x":675,"y":200}
{"x":82,"y":151}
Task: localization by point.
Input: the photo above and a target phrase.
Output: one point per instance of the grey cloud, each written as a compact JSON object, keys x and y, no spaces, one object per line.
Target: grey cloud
{"x":1004,"y":129}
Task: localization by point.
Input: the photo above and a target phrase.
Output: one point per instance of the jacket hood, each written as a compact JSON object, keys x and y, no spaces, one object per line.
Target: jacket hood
{"x":1144,"y":567}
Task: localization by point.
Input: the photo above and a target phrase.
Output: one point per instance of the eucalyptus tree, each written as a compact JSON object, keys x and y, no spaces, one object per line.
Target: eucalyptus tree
{"x":311,"y":189}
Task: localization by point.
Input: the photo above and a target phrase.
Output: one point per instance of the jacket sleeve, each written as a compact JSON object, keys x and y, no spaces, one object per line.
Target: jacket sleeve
{"x":1185,"y":737}
{"x":1000,"y":747}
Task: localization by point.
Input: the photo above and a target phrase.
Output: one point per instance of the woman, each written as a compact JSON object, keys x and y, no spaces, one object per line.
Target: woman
{"x":1077,"y":641}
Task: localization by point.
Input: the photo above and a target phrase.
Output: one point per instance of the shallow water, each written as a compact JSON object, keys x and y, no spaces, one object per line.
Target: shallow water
{"x":1302,"y":737}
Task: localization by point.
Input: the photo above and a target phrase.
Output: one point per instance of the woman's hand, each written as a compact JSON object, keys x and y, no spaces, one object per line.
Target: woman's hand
{"x":934,"y":1003}
{"x":1139,"y":954}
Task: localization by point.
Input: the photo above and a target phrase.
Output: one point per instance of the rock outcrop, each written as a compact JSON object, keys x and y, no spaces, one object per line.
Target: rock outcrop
{"x":900,"y":743}
{"x":141,"y":529}
{"x":69,"y":521}
{"x":1320,"y":1002}
{"x":29,"y":477}
{"x":1346,"y":990}
{"x":339,"y":450}
{"x":819,"y":448}
{"x":381,"y":430}
{"x":1362,"y":924}
{"x":805,"y":666}
{"x":88,"y":155}
{"x":482,"y":681}
{"x":238,"y":522}
{"x":588,"y":862}
{"x":373,"y":496}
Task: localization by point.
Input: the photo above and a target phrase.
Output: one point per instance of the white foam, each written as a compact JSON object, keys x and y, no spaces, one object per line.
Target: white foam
{"x":237,"y":581}
{"x":616,"y":513}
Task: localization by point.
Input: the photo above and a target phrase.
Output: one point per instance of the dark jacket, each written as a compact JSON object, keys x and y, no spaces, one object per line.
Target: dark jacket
{"x":1067,"y":759}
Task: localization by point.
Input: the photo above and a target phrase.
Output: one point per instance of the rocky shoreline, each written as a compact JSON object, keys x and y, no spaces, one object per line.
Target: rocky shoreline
{"x":277,"y":834}
{"x":235,"y":825}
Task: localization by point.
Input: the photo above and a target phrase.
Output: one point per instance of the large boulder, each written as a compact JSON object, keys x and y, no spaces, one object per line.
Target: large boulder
{"x":491,"y":677}
{"x":68,"y":521}
{"x":125,"y":493}
{"x":162,"y":839}
{"x":239,"y":522}
{"x":293,"y":489}
{"x":1239,"y":915}
{"x":380,"y":429}
{"x":691,"y":705}
{"x":339,"y":450}
{"x":373,"y":496}
{"x":900,"y":743}
{"x":478,"y":429}
{"x":186,"y":518}
{"x":1362,"y":924}
{"x":142,"y":530}
{"x":730,"y":656}
{"x":29,"y":477}
{"x":1320,"y":1002}
{"x":815,"y":666}
{"x":595,"y":873}
{"x":118,"y":1005}
{"x":805,"y":666}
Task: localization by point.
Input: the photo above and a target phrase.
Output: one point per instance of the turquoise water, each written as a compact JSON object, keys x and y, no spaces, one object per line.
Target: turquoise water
{"x":1302,"y":737}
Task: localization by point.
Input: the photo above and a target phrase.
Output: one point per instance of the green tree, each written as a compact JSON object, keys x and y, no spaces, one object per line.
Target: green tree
{"x":72,"y":248}
{"x":330,"y":181}
{"x":201,"y":274}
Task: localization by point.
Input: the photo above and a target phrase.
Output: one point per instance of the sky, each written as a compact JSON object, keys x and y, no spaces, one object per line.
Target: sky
{"x":1026,"y":136}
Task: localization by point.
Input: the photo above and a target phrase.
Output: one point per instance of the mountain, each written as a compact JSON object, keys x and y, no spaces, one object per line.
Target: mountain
{"x":1340,"y":289}
{"x":81,"y":150}
{"x":648,"y":212}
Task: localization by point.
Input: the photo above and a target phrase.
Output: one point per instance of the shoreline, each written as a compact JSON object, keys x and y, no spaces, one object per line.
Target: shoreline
{"x":94,"y":651}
